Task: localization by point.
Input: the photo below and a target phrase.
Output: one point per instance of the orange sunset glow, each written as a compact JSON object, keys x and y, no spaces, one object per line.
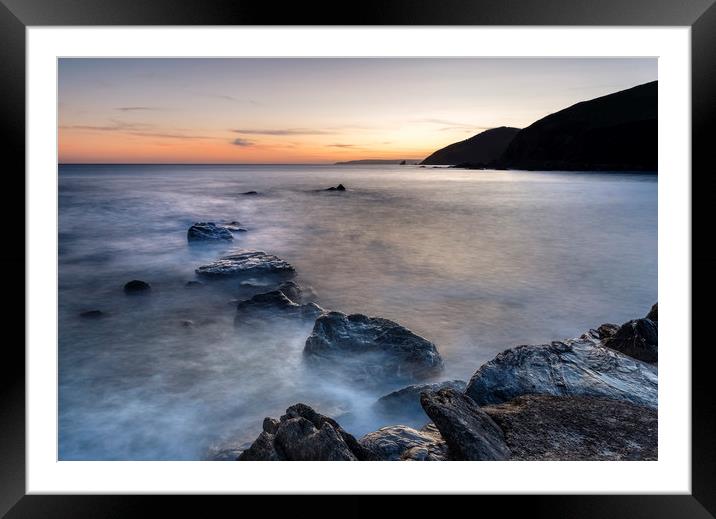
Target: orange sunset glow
{"x":250,"y":110}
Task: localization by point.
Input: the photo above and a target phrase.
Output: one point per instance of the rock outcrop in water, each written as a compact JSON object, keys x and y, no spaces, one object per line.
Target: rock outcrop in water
{"x":571,"y":400}
{"x":93,"y":314}
{"x":540,"y":427}
{"x":302,"y":434}
{"x":275,"y":304}
{"x":370,"y":350}
{"x":405,"y":402}
{"x":249,"y":263}
{"x":136,"y":286}
{"x":208,"y":231}
{"x":339,"y":187}
{"x":578,"y":367}
{"x":468,"y":431}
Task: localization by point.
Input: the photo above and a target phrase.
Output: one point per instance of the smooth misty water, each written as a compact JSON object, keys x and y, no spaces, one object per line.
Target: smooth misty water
{"x":476,"y":261}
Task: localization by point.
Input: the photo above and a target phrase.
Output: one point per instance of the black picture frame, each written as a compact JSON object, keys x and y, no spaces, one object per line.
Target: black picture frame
{"x":700,"y":15}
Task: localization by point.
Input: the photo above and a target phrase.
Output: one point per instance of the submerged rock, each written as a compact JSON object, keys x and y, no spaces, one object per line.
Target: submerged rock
{"x":136,"y":286}
{"x":393,"y":443}
{"x":579,"y":367}
{"x":274,"y":304}
{"x":339,"y":187}
{"x":233,"y":226}
{"x":92,"y":314}
{"x":250,"y":193}
{"x":302,"y":434}
{"x":468,"y":431}
{"x":540,"y":427}
{"x":370,"y":350}
{"x":638,"y":339}
{"x":405,"y":402}
{"x":249,"y":263}
{"x":206,"y":231}
{"x":194,"y":284}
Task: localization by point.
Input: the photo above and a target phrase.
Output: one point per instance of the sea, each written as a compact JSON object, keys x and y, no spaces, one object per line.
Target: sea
{"x":476,"y":261}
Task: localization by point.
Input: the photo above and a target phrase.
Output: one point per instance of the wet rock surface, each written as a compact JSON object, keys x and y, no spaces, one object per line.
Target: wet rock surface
{"x":638,"y":339}
{"x":248,"y":263}
{"x":539,"y":427}
{"x":274,"y":304}
{"x":468,"y":431}
{"x":405,"y":403}
{"x":302,"y":434}
{"x":208,"y":231}
{"x":398,"y":442}
{"x":370,"y":350}
{"x":579,"y":367}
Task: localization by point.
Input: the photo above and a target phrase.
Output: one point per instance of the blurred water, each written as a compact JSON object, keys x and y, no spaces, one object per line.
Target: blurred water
{"x":475,"y":261}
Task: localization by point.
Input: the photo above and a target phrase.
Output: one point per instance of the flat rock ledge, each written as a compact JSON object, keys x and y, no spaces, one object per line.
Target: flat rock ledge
{"x":370,"y":350}
{"x":539,"y":427}
{"x":248,"y":263}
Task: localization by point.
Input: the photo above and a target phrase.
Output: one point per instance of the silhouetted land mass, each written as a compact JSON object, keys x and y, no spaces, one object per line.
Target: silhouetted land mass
{"x":616,"y":132}
{"x":483,"y":148}
{"x":379,"y":161}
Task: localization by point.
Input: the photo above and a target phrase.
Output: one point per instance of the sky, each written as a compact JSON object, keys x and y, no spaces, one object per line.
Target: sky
{"x":312,"y":110}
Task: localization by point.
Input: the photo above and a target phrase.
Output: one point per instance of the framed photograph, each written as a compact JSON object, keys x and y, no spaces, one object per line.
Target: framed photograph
{"x":343,"y":245}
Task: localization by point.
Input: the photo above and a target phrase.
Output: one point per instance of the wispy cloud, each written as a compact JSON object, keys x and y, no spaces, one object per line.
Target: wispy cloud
{"x":135,"y":129}
{"x":136,"y":108}
{"x":231,"y":99}
{"x":343,"y":146}
{"x":243,"y":142}
{"x":448,"y":125}
{"x":283,"y":131}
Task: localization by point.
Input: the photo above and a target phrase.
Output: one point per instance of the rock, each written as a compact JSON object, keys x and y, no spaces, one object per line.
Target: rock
{"x":187,"y":323}
{"x":468,"y":431}
{"x":577,"y":367}
{"x":405,"y":402}
{"x":653,"y":313}
{"x":225,"y":455}
{"x":274,"y":304}
{"x":291,"y":290}
{"x":540,"y":427}
{"x":606,"y":330}
{"x":391,"y":443}
{"x":638,"y":338}
{"x":370,"y":350}
{"x":302,"y":434}
{"x":194,"y":284}
{"x":262,"y":449}
{"x":92,"y":314}
{"x":339,"y":187}
{"x":250,"y":193}
{"x":205,"y":231}
{"x":249,"y":263}
{"x":136,"y":287}
{"x":233,"y":226}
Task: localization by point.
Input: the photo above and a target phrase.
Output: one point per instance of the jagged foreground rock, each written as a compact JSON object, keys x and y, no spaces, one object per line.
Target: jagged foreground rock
{"x":302,"y":434}
{"x":638,"y":338}
{"x":246,"y":263}
{"x":468,"y":431}
{"x":579,"y":367}
{"x":370,"y":350}
{"x":540,"y":427}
